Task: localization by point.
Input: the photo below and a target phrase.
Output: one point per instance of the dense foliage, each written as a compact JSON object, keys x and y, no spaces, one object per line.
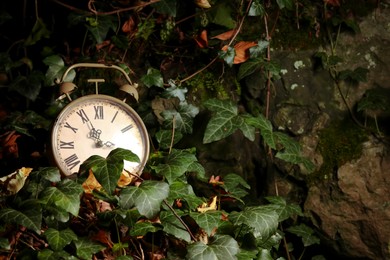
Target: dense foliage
{"x":189,"y":57}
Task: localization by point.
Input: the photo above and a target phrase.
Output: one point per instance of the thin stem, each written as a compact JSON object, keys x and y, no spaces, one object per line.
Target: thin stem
{"x":181,"y":221}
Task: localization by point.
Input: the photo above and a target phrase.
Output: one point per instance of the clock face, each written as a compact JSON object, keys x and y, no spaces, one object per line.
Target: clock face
{"x":95,"y":125}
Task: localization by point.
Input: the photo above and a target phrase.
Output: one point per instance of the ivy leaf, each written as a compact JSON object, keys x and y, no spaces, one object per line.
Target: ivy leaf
{"x":248,"y":131}
{"x":173,"y":226}
{"x":259,"y":49}
{"x":29,"y":86}
{"x":167,"y":7}
{"x":285,"y":210}
{"x":224,"y":121}
{"x":227,"y":54}
{"x":197,"y":168}
{"x":100,"y":26}
{"x":256,"y":9}
{"x":265,"y":127}
{"x":51,"y":174}
{"x":176,"y":164}
{"x":183,"y":117}
{"x":142,"y":228}
{"x":147,"y":197}
{"x":85,"y":248}
{"x":262,"y":219}
{"x":223,"y":15}
{"x":59,"y":239}
{"x":153,"y":78}
{"x":208,"y":221}
{"x":29,"y":216}
{"x":249,"y":67}
{"x":164,"y":138}
{"x":51,"y":255}
{"x":38,"y":32}
{"x":56,"y":70}
{"x":306,"y":233}
{"x":66,"y":196}
{"x":233,"y":184}
{"x":288,"y":4}
{"x":223,"y":247}
{"x":108,"y":171}
{"x":184,"y":191}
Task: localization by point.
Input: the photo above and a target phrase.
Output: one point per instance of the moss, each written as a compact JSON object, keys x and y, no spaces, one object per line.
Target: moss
{"x":339,"y":143}
{"x":207,"y":85}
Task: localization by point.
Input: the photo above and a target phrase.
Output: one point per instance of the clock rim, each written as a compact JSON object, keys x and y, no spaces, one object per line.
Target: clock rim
{"x":138,"y":120}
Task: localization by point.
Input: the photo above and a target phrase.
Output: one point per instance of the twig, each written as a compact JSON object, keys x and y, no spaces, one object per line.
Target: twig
{"x":181,"y":221}
{"x":93,"y":10}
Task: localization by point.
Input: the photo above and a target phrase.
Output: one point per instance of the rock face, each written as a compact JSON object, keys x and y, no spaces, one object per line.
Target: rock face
{"x":353,"y":210}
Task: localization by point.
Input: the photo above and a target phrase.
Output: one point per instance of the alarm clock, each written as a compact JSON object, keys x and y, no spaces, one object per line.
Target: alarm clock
{"x":96,"y":124}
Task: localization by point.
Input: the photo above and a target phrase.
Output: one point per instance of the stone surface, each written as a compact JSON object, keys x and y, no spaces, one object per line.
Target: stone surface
{"x":353,"y":210}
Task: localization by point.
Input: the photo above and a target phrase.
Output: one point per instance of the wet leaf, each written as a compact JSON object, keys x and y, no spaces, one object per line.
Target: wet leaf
{"x":58,"y":239}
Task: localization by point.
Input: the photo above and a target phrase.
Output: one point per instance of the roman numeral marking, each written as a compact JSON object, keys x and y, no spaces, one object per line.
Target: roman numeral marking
{"x":83,"y":115}
{"x":67,"y":125}
{"x":98,"y":112}
{"x":127,"y":128}
{"x":66,"y":145}
{"x":72,"y":161}
{"x":116,"y":113}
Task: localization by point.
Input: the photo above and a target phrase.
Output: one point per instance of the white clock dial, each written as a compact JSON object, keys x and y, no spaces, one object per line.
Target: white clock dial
{"x":95,"y":125}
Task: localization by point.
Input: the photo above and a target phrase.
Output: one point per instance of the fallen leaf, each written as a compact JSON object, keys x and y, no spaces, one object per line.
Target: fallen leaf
{"x":125,"y":179}
{"x":225,"y":36}
{"x":207,"y":207}
{"x":9,"y":145}
{"x":242,"y":51}
{"x":129,"y":26}
{"x":216,"y":180}
{"x":201,"y":39}
{"x":91,"y":184}
{"x":202,"y":3}
{"x":103,"y":237}
{"x":14,"y":182}
{"x":332,"y":2}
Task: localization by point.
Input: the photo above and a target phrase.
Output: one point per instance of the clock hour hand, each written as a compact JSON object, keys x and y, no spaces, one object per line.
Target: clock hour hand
{"x":95,"y":135}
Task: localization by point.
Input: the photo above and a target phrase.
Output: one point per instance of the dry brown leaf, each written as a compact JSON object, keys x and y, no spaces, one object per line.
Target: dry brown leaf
{"x":14,"y":182}
{"x":216,"y":180}
{"x":242,"y":51}
{"x":207,"y":207}
{"x":129,"y":26}
{"x":91,"y":184}
{"x":103,"y":237}
{"x":225,"y":36}
{"x":125,"y":179}
{"x":332,"y":2}
{"x":9,"y":145}
{"x":203,"y":3}
{"x":201,"y":39}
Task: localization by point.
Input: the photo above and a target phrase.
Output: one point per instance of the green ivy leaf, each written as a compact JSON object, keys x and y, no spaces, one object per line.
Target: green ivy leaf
{"x":228,"y":55}
{"x":256,"y":9}
{"x":222,"y":247}
{"x":108,"y":171}
{"x":29,"y":216}
{"x":262,"y":219}
{"x":306,"y":233}
{"x":233,"y":184}
{"x":285,"y":210}
{"x":66,"y":196}
{"x":48,"y":254}
{"x":29,"y":86}
{"x":183,"y":117}
{"x":223,"y":15}
{"x":153,"y":78}
{"x":176,"y":164}
{"x":142,"y":228}
{"x":147,"y":197}
{"x":249,"y":67}
{"x":288,"y":4}
{"x":164,"y":138}
{"x":85,"y":248}
{"x":224,"y":121}
{"x":173,"y":226}
{"x":167,"y":7}
{"x":4,"y":243}
{"x":59,"y":239}
{"x":259,"y":49}
{"x":265,"y":127}
{"x":51,"y":174}
{"x":56,"y":70}
{"x":208,"y":221}
{"x":38,"y":32}
{"x":184,"y":191}
{"x":99,"y":27}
